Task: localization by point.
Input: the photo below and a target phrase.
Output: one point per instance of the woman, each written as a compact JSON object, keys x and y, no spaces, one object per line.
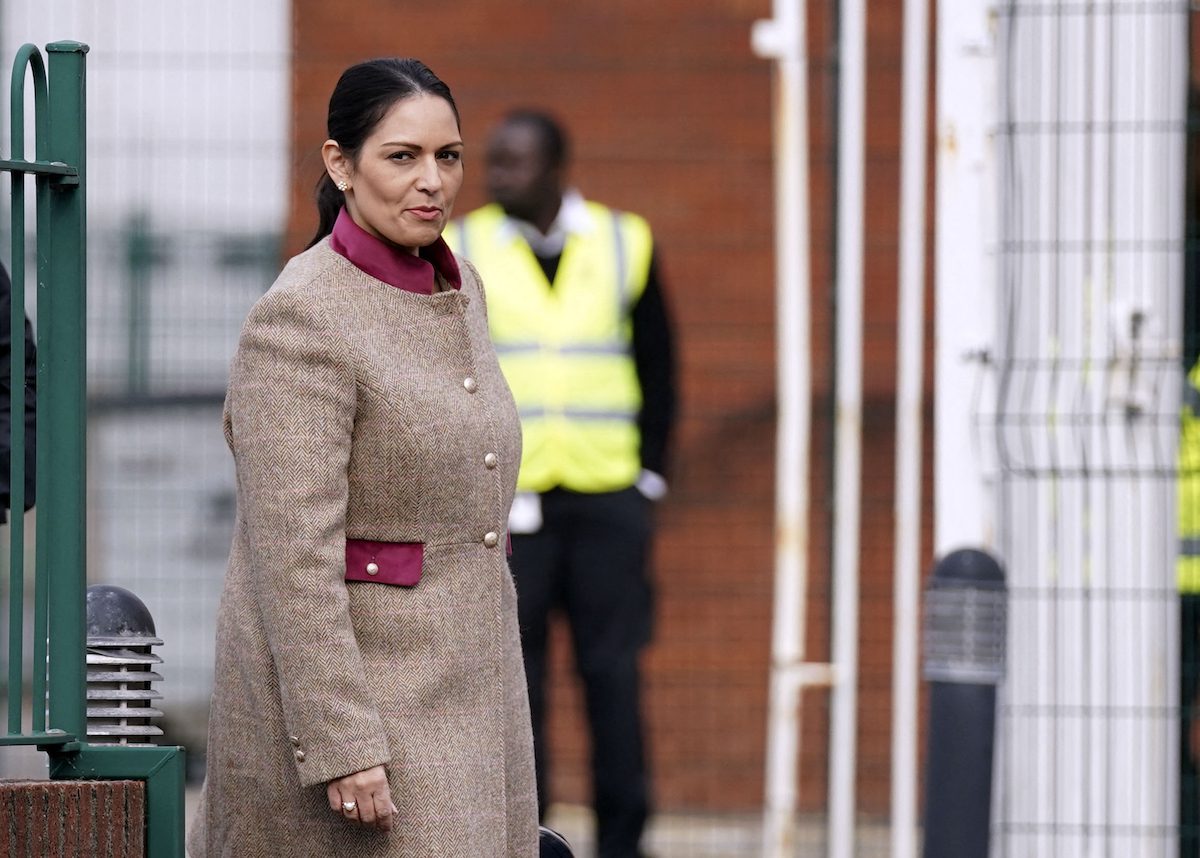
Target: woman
{"x":369,"y":694}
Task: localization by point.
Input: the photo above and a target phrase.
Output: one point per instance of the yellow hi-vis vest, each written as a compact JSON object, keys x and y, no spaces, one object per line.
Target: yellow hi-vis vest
{"x":566,"y":350}
{"x":1188,"y":564}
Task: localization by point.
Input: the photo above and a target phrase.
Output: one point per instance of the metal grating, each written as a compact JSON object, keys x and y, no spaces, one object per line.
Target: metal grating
{"x":1079,"y":415}
{"x":188,"y":181}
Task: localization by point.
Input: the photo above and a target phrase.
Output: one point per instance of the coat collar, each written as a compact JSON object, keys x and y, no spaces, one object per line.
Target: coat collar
{"x":390,"y":264}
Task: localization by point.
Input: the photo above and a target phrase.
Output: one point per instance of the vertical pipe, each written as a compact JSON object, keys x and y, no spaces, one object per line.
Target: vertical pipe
{"x":784,"y":39}
{"x":16,"y":567}
{"x":61,"y":521}
{"x":910,"y":374}
{"x":139,"y":254}
{"x":45,"y":250}
{"x":965,"y":270}
{"x":16,"y":556}
{"x":27,"y":58}
{"x":848,"y":428}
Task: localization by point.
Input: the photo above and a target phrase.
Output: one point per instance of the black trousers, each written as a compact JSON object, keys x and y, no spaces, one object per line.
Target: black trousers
{"x":1189,"y":675}
{"x":589,"y":561}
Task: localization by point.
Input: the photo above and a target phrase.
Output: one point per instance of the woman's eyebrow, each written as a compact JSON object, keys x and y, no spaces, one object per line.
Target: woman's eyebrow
{"x":418,"y":145}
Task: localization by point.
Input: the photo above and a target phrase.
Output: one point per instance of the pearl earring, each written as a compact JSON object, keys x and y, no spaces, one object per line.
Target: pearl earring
{"x":342,"y":185}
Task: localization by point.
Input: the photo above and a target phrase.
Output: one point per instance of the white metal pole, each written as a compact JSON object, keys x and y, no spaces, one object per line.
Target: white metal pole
{"x":965,"y":215}
{"x":848,"y":426}
{"x":909,"y":403}
{"x":783,"y":39}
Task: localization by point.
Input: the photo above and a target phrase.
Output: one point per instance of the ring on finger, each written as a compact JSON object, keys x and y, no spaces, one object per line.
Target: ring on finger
{"x":349,"y":806}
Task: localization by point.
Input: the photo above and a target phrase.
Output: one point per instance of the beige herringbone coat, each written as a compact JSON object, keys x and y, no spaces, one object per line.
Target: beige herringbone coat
{"x":358,"y":410}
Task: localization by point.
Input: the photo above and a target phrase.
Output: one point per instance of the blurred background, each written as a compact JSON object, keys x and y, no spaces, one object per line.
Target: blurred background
{"x":1054,"y":351}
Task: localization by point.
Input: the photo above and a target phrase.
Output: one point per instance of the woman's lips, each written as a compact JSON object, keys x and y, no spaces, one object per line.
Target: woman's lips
{"x":425,"y":213}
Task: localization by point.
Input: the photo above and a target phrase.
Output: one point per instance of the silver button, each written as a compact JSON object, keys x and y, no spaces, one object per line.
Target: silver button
{"x":372,"y":568}
{"x":491,"y":460}
{"x":295,"y":740}
{"x":299,"y":756}
{"x":470,"y":384}
{"x":491,"y":539}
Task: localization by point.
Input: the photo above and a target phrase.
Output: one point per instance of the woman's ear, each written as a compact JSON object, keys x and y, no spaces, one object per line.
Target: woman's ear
{"x":337,"y":165}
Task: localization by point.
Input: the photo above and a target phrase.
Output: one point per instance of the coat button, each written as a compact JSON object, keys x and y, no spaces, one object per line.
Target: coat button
{"x":491,"y":460}
{"x":491,"y":539}
{"x":295,"y":740}
{"x":372,"y":568}
{"x":470,"y":384}
{"x":299,"y":756}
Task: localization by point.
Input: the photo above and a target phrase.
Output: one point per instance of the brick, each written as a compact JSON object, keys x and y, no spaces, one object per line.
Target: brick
{"x":135,"y":809}
{"x":72,"y":819}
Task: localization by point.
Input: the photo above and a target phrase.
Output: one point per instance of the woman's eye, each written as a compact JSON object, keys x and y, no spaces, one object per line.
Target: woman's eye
{"x":450,"y":155}
{"x":401,"y":156}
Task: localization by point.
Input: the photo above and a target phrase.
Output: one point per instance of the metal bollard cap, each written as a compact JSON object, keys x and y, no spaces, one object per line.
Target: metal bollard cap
{"x":116,"y":617}
{"x":968,"y":567}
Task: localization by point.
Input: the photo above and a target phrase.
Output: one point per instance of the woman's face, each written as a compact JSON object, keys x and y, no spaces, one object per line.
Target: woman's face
{"x":407,"y":175}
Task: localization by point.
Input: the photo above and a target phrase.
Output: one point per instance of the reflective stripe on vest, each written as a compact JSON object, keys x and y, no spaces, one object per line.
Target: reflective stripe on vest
{"x":575,"y":349}
{"x":1187,"y":566}
{"x":566,"y":350}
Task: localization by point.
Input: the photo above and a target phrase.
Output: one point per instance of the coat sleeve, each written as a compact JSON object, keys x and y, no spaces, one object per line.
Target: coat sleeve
{"x":290,"y":418}
{"x":654,"y":357}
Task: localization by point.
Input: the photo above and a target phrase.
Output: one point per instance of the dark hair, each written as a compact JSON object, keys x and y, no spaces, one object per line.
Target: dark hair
{"x":364,"y":94}
{"x":554,"y":139}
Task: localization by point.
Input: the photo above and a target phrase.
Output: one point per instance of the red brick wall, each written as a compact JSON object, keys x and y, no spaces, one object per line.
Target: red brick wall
{"x":670,"y":113}
{"x":72,"y":819}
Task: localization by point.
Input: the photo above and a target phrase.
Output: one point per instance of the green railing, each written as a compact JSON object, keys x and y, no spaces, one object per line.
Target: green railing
{"x":57,"y":698}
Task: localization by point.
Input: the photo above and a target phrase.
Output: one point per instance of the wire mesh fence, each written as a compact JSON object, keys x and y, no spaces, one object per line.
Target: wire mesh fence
{"x":187,"y":187}
{"x":1081,"y":415}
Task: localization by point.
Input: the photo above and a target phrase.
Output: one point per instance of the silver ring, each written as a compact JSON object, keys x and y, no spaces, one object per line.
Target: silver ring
{"x":349,"y":806}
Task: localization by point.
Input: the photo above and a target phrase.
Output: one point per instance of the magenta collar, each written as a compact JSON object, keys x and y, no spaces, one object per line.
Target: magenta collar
{"x":390,"y":264}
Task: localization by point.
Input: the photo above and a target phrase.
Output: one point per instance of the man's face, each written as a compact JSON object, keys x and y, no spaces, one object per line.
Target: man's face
{"x":519,"y":176}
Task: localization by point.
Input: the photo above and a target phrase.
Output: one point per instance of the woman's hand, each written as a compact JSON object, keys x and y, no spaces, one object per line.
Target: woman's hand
{"x":363,"y":797}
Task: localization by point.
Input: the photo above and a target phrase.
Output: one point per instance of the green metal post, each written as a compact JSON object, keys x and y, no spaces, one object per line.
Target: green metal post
{"x":41,"y":590}
{"x":60,"y":589}
{"x":140,"y":256}
{"x":163,"y":770}
{"x":27,"y":58}
{"x":61,"y":483}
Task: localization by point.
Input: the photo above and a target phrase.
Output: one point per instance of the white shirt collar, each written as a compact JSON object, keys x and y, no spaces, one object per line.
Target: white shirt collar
{"x":572,"y":219}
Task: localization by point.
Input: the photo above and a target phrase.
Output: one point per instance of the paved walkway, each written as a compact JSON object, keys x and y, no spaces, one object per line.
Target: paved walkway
{"x":712,"y":835}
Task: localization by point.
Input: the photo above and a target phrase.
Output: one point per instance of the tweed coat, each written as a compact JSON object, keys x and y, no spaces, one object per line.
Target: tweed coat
{"x":364,"y":418}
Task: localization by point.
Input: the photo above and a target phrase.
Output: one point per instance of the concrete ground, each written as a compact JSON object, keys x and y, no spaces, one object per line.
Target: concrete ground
{"x":712,"y":835}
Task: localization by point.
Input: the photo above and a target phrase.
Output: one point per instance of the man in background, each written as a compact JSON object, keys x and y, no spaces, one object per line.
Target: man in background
{"x":580,"y":324}
{"x":6,"y":398}
{"x":1187,"y":568}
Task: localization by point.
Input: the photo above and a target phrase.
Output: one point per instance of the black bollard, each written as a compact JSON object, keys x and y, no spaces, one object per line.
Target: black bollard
{"x":965,"y":615}
{"x":551,"y":844}
{"x":120,"y":668}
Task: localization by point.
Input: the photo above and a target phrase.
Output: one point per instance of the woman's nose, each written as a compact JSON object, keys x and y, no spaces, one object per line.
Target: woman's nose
{"x":430,"y":178}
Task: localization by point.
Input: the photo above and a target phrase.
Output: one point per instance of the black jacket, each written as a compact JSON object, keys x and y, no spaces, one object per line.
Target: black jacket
{"x":6,"y":400}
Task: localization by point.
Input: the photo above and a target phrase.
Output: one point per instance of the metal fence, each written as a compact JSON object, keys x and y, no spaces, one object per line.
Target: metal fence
{"x":1080,"y":422}
{"x":188,"y":155}
{"x":55,"y":692}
